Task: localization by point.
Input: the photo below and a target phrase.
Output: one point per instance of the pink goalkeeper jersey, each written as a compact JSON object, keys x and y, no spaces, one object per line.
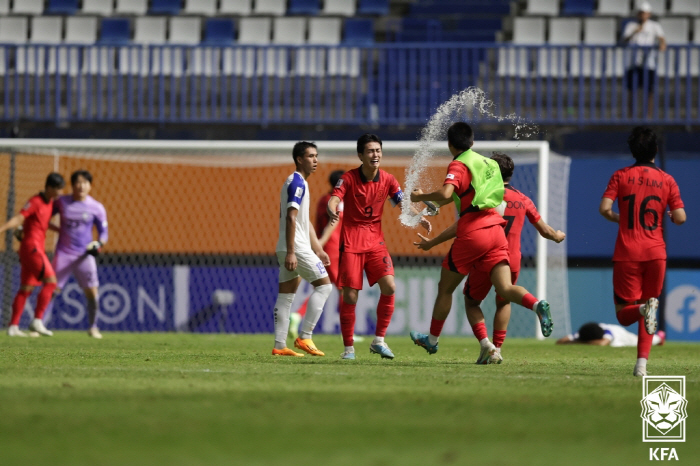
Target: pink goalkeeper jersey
{"x":77,"y":220}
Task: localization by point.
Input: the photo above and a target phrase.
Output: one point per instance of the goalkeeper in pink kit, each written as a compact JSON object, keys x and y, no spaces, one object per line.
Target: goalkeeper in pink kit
{"x":76,"y":249}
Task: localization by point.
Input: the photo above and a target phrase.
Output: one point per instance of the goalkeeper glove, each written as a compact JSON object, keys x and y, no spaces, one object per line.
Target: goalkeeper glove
{"x":19,"y":233}
{"x":94,"y":248}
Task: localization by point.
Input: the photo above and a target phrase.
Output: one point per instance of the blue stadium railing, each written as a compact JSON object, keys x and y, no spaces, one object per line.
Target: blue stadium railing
{"x":383,"y":84}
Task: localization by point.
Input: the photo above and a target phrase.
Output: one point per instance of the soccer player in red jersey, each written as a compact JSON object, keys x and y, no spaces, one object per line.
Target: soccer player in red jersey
{"x":643,"y":192}
{"x":329,"y":241}
{"x":36,"y":267}
{"x":474,"y":182}
{"x":364,"y":191}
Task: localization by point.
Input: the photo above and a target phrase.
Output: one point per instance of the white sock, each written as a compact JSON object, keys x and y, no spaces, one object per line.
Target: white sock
{"x":641,"y":362}
{"x":433,"y":339}
{"x":655,"y":340}
{"x":378,"y":340}
{"x":349,"y":349}
{"x":484,"y":342}
{"x":283,"y":307}
{"x":314,"y":308}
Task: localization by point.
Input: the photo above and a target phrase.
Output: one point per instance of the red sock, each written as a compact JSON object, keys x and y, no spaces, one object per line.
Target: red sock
{"x":302,"y":309}
{"x":347,"y":322}
{"x":644,"y":340}
{"x":385,"y":309}
{"x":18,"y":305}
{"x":629,"y":315}
{"x":499,"y":337}
{"x":480,"y":331}
{"x":529,"y":301}
{"x":44,"y":299}
{"x":436,"y":327}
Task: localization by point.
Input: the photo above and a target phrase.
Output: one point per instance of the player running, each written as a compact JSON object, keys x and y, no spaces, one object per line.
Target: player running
{"x":76,"y":250}
{"x":299,"y":255}
{"x":475,"y":184}
{"x":643,"y":192}
{"x":36,"y":268}
{"x":364,"y":190}
{"x":518,"y":207}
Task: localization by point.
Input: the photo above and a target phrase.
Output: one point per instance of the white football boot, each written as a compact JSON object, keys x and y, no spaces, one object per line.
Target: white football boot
{"x":496,"y":357}
{"x":94,"y":332}
{"x":649,"y":313}
{"x":38,"y":326}
{"x":14,"y":331}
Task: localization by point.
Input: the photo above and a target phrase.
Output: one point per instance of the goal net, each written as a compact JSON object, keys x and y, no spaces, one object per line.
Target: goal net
{"x":193,"y":227}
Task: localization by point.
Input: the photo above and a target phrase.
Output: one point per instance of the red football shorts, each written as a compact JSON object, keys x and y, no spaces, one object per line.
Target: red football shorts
{"x":638,"y":281}
{"x":376,"y":264}
{"x":479,"y":250}
{"x":478,"y":284}
{"x":35,"y":267}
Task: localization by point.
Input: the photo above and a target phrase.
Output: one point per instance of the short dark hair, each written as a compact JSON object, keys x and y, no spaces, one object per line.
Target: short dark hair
{"x":366,"y":138}
{"x":505,"y":163}
{"x":335,"y":176}
{"x":642,"y":143}
{"x":590,"y":331}
{"x":54,"y":180}
{"x":77,"y":174}
{"x":300,"y":149}
{"x":460,"y":135}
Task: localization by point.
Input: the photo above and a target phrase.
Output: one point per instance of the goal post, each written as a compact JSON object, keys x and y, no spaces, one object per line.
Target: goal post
{"x":193,"y":226}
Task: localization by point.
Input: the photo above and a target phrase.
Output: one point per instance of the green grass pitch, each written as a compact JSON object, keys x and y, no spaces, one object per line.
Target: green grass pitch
{"x":180,"y":399}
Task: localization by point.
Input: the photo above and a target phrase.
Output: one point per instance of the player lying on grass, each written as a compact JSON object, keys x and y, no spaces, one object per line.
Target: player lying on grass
{"x":475,"y":185}
{"x":518,"y":207}
{"x":76,"y":250}
{"x":35,"y":266}
{"x":299,"y":255}
{"x":596,"y":334}
{"x":643,"y":192}
{"x":363,"y":191}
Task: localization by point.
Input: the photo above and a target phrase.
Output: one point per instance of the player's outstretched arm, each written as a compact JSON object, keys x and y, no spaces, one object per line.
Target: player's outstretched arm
{"x":548,"y":232}
{"x":332,"y":208}
{"x":447,"y":234}
{"x":317,"y":248}
{"x":327,"y":233}
{"x":14,"y":222}
{"x":678,"y":216}
{"x":442,"y":194}
{"x":290,"y":261}
{"x":606,"y":211}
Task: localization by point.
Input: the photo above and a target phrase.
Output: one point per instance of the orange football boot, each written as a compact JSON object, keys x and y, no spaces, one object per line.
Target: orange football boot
{"x":308,"y":346}
{"x":286,"y":352}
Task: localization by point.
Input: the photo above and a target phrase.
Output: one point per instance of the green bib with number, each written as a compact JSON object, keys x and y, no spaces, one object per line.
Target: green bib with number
{"x":486,"y":181}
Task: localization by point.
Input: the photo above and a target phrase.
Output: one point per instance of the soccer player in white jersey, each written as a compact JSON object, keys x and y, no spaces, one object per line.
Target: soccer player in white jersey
{"x":300,"y":255}
{"x":613,"y":335}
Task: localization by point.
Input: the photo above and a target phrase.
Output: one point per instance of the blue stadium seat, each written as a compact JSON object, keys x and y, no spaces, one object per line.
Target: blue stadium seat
{"x":115,"y":31}
{"x":419,"y":30}
{"x":165,"y":7}
{"x":373,"y":7}
{"x":303,"y":7}
{"x":219,"y":31}
{"x":452,"y":7}
{"x":578,"y":7}
{"x":358,"y":32}
{"x":62,"y":7}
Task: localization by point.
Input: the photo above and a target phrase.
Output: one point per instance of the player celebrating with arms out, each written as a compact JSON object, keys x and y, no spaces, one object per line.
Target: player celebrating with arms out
{"x":299,"y":255}
{"x":475,"y":184}
{"x":76,"y":250}
{"x":364,"y":190}
{"x":36,"y":268}
{"x":639,"y":262}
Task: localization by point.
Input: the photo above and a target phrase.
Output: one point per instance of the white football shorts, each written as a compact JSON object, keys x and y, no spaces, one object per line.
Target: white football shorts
{"x":309,"y":266}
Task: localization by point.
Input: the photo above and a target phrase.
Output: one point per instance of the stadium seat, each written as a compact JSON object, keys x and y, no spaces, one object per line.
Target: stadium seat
{"x":345,"y":61}
{"x":98,"y":7}
{"x":28,"y":7}
{"x":219,"y":31}
{"x":270,"y":7}
{"x":613,"y":8}
{"x":373,"y":7}
{"x":303,"y":7}
{"x":200,"y":7}
{"x":44,"y":30}
{"x":186,"y":31}
{"x":81,"y":30}
{"x":165,"y":7}
{"x":62,"y":7}
{"x":676,"y":32}
{"x":322,"y":31}
{"x":578,"y":7}
{"x":339,"y":7}
{"x":235,"y":7}
{"x":685,"y":7}
{"x":285,"y":31}
{"x":132,"y":7}
{"x":114,"y":31}
{"x":240,"y":61}
{"x":543,"y":7}
{"x":598,"y":62}
{"x":555,"y":61}
{"x":148,"y":30}
{"x":4,"y":7}
{"x":358,"y":32}
{"x":420,"y":30}
{"x":516,"y":62}
{"x":695,"y":53}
